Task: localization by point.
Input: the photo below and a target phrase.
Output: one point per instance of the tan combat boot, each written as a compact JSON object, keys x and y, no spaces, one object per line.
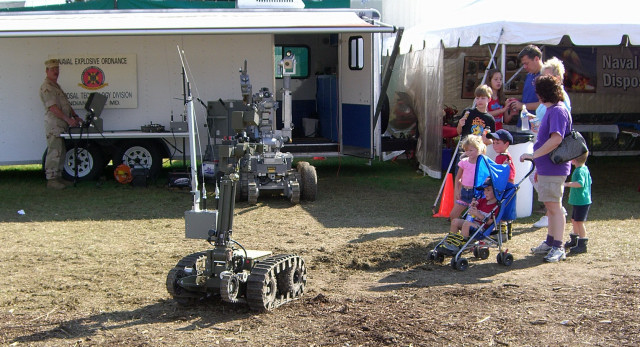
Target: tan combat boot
{"x":55,"y":184}
{"x":65,"y":182}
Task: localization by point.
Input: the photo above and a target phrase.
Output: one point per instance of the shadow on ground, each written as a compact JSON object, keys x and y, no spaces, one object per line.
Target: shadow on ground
{"x":206,"y":315}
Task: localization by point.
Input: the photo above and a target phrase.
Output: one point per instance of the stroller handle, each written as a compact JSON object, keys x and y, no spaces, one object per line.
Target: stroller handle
{"x":533,"y":167}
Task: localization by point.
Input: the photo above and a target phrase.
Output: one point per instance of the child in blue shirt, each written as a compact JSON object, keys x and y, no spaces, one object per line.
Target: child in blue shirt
{"x":580,"y":199}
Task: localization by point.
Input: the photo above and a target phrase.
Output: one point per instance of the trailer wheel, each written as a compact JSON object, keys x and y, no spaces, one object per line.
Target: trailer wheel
{"x":384,"y":114}
{"x":139,"y":154}
{"x":90,"y":162}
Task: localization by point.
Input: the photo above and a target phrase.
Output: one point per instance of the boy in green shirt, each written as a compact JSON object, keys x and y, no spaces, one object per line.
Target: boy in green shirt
{"x":580,"y":199}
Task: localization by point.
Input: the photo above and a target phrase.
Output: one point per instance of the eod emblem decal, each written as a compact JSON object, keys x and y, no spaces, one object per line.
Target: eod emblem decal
{"x":87,"y":73}
{"x":93,"y":78}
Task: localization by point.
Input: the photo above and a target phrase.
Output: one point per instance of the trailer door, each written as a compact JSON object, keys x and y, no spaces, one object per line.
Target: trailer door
{"x":355,"y":92}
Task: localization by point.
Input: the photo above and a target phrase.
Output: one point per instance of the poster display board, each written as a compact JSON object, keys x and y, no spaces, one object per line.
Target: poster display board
{"x":619,"y":70}
{"x":579,"y":65}
{"x":605,"y":70}
{"x":113,"y":75}
{"x":472,"y":74}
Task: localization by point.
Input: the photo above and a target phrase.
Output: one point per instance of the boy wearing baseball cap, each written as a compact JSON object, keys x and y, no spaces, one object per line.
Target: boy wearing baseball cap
{"x":501,"y":141}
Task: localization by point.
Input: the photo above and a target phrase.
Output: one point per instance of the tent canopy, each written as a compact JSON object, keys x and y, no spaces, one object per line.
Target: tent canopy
{"x":509,"y":22}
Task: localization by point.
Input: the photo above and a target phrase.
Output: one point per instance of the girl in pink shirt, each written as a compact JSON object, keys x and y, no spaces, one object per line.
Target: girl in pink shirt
{"x":463,"y":191}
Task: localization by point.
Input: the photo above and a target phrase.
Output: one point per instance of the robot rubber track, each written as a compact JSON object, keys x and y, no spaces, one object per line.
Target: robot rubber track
{"x":276,"y":281}
{"x":179,"y":294}
{"x":272,"y":282}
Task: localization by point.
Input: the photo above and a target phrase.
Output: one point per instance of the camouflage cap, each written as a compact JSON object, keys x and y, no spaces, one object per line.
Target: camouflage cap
{"x":50,"y":63}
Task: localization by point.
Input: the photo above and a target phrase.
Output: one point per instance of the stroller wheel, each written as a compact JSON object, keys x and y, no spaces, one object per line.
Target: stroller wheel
{"x":475,"y":252}
{"x":454,"y":264}
{"x":507,"y":259}
{"x":436,"y":256}
{"x":462,"y":264}
{"x":483,"y":253}
{"x":499,"y":259}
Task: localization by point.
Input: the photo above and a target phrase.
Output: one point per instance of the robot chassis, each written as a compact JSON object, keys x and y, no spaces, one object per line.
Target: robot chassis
{"x":257,"y":278}
{"x":264,"y":167}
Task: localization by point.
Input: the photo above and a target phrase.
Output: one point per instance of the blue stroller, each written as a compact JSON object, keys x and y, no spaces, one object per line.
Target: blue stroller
{"x":487,"y":235}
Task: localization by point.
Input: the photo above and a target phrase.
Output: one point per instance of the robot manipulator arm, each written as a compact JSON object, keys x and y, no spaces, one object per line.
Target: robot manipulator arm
{"x":245,"y":85}
{"x":288,"y":64}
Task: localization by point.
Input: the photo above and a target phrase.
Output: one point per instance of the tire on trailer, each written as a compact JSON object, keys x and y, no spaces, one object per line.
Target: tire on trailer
{"x":90,"y":161}
{"x":139,"y":153}
{"x":384,"y":114}
{"x":309,"y":181}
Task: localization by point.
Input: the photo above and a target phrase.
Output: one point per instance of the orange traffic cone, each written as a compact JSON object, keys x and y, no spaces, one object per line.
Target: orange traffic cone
{"x":446,"y":203}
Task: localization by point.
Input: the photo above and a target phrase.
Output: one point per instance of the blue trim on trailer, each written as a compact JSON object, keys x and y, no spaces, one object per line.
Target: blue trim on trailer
{"x":356,"y":125}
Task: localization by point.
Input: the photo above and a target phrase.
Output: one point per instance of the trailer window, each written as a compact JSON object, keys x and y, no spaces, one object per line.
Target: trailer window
{"x":356,"y":53}
{"x":301,"y":54}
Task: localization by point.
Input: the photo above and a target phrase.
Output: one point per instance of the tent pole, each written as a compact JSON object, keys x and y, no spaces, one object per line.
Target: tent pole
{"x":493,"y":55}
{"x":387,"y":74}
{"x":503,"y":61}
{"x":514,"y":76}
{"x":492,"y":63}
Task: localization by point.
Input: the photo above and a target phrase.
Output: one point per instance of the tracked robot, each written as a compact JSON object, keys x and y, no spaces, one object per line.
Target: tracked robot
{"x":229,"y":271}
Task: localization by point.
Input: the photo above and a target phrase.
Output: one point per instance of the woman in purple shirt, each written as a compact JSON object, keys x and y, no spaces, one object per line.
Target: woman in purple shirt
{"x":550,"y":177}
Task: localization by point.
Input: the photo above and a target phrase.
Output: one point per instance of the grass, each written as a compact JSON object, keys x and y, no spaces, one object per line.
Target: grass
{"x":24,"y":188}
{"x":615,"y":191}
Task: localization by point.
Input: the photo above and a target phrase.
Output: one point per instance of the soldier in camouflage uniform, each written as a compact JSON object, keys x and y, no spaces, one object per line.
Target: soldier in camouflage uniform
{"x":59,"y":115}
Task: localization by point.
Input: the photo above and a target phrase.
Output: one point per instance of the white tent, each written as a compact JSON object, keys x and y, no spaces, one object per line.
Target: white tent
{"x":496,"y":23}
{"x":463,"y":23}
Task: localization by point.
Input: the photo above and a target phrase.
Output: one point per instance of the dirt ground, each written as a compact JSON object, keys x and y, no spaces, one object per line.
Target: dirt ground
{"x":100,"y":279}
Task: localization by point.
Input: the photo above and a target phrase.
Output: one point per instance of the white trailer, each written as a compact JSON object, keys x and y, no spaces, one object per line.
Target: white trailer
{"x":132,"y":58}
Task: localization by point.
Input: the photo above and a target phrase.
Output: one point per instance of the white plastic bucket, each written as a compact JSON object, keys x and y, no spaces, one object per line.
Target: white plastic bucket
{"x":310,"y":127}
